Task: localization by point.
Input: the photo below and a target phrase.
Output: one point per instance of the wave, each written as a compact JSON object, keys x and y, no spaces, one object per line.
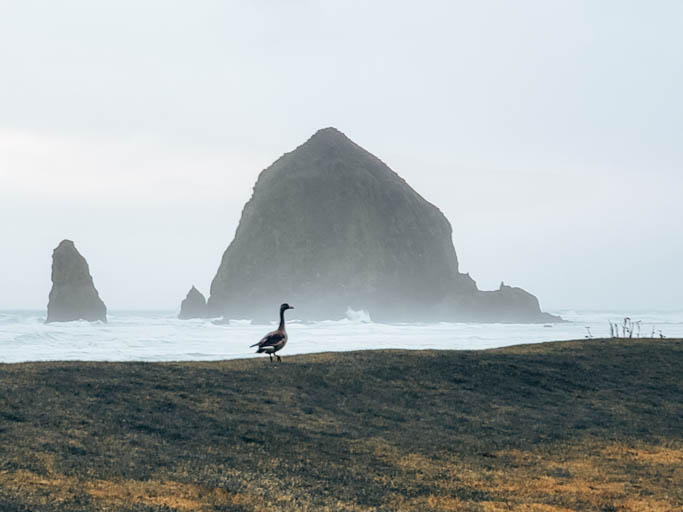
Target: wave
{"x":159,"y":336}
{"x":360,"y":316}
{"x":671,"y":317}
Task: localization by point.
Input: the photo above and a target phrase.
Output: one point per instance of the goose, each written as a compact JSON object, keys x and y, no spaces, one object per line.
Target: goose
{"x":274,"y":341}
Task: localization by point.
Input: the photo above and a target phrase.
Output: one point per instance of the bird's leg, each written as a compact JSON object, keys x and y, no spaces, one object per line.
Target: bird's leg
{"x":271,"y":357}
{"x":278,"y":358}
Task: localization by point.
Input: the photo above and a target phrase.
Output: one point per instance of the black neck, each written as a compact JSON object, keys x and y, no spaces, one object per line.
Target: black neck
{"x":282,"y":320}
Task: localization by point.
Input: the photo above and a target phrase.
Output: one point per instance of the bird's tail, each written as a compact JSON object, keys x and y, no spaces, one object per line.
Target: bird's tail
{"x":254,"y":344}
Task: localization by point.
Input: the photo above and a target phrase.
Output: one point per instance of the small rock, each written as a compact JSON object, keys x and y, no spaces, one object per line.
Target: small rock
{"x":194,"y":305}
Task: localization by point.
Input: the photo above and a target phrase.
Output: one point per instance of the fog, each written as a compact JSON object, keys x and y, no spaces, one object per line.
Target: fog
{"x":549,"y":134}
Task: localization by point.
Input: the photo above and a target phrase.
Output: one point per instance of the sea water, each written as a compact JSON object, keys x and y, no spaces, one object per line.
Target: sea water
{"x":160,"y":336}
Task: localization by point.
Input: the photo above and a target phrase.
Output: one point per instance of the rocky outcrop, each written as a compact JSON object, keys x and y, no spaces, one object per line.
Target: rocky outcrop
{"x":330,"y":227}
{"x":194,"y":305}
{"x":508,"y":304}
{"x":73,"y":295}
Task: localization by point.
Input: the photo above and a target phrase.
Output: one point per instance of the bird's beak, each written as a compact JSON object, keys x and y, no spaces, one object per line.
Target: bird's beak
{"x":292,"y":307}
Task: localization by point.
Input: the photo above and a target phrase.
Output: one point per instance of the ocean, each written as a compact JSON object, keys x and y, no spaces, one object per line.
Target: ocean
{"x":159,"y":336}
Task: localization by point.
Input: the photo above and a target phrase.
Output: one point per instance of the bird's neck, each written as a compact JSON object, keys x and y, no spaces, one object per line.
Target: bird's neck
{"x":282,"y":320}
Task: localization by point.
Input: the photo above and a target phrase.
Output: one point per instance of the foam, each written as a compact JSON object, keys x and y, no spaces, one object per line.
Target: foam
{"x":159,"y":336}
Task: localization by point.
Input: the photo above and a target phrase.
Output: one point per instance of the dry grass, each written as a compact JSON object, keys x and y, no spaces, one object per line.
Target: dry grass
{"x":554,"y":427}
{"x":586,"y":483}
{"x":586,"y":476}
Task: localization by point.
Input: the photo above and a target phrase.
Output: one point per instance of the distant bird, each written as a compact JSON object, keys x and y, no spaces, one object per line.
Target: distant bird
{"x":274,"y":341}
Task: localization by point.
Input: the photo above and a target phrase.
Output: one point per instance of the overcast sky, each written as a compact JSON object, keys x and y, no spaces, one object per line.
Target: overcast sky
{"x":550,"y":133}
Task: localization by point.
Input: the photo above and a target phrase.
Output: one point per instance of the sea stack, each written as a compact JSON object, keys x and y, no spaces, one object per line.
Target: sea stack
{"x":194,"y":305}
{"x":73,"y":295}
{"x":330,"y":227}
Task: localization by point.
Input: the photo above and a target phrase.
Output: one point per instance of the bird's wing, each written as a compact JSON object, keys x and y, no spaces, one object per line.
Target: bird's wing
{"x":272,"y":338}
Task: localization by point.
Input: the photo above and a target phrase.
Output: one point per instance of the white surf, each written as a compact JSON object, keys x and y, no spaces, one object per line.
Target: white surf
{"x":159,"y":336}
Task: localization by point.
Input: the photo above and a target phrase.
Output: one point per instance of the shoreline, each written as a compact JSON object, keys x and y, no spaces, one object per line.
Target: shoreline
{"x":523,"y":347}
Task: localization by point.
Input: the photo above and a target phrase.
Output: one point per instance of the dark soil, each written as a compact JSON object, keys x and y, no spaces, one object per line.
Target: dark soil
{"x":584,"y":425}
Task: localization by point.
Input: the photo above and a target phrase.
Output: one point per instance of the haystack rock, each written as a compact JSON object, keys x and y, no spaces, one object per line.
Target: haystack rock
{"x":331,"y":227}
{"x":194,"y":305}
{"x":73,"y":295}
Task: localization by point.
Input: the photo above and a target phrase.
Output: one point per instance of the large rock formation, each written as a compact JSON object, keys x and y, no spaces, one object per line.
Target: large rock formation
{"x":330,"y":226}
{"x":73,"y":295}
{"x":194,"y":305}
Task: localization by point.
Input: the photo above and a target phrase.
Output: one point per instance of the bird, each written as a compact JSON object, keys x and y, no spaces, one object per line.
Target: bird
{"x":275,"y":340}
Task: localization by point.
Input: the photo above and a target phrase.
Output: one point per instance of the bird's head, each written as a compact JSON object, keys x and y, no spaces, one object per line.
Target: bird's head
{"x":285,"y":307}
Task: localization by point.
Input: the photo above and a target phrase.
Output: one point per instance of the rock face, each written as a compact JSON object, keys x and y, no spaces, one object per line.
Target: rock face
{"x":330,"y":226}
{"x":73,"y":295}
{"x":508,"y":304}
{"x":194,"y":305}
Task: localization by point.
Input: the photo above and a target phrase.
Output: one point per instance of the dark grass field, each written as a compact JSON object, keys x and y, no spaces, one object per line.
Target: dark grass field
{"x":584,"y":425}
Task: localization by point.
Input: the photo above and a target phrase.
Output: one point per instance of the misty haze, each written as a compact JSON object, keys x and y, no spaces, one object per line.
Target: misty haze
{"x":339,"y":255}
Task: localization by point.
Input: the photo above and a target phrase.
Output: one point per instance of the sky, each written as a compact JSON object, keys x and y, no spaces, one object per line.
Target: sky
{"x":549,"y":133}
